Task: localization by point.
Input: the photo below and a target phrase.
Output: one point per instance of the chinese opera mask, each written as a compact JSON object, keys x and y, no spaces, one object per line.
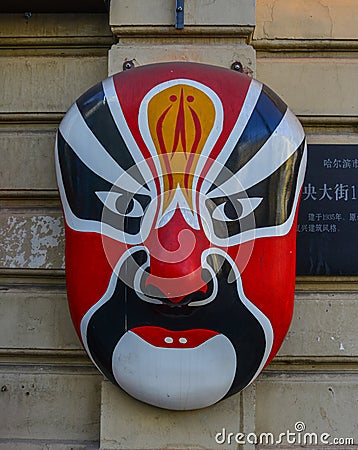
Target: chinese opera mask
{"x":180,"y":185}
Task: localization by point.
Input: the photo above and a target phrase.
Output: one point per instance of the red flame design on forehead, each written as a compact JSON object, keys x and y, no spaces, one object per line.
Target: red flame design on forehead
{"x":179,"y":137}
{"x":180,"y":119}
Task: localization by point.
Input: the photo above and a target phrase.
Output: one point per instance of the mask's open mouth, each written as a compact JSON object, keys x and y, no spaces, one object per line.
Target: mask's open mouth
{"x":179,"y":369}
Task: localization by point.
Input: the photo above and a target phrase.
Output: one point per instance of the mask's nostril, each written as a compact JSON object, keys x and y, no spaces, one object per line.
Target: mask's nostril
{"x":182,"y":301}
{"x":175,"y":287}
{"x":176,"y":302}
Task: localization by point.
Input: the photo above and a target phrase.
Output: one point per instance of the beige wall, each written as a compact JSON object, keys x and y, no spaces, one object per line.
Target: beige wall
{"x":49,"y":391}
{"x":307,"y":51}
{"x":50,"y":394}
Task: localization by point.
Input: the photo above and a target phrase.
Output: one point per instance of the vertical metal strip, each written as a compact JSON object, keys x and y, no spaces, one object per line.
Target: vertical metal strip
{"x":179,"y":14}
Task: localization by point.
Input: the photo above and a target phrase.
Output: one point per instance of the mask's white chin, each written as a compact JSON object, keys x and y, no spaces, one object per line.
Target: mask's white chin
{"x":175,"y":378}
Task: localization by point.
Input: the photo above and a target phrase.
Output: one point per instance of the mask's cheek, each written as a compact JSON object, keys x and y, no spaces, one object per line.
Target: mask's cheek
{"x":269,"y":281}
{"x":90,"y":259}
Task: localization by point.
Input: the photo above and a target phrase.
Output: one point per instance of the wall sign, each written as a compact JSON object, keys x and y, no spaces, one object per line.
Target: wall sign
{"x":180,"y":184}
{"x":328,"y":216}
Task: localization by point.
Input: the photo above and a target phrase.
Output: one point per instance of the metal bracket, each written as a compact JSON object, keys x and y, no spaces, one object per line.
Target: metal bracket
{"x":128,"y":64}
{"x":237,"y":66}
{"x":179,"y":14}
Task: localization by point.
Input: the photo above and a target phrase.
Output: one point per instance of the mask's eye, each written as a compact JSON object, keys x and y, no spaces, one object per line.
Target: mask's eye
{"x":121,"y":204}
{"x":229,"y":211}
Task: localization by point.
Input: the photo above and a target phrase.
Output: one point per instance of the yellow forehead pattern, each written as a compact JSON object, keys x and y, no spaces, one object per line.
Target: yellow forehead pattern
{"x":180,"y":119}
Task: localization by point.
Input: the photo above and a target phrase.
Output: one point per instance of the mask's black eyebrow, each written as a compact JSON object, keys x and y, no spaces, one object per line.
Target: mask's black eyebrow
{"x":278,"y":191}
{"x":266,"y":116}
{"x":277,"y":199}
{"x":94,"y":108}
{"x":84,"y":143}
{"x":80,"y":183}
{"x":280,"y":146}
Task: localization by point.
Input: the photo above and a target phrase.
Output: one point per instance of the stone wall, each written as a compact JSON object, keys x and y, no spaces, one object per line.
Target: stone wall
{"x":51,"y":396}
{"x":49,"y":391}
{"x":307,"y":51}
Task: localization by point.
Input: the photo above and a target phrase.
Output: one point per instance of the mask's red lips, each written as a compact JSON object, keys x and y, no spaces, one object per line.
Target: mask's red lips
{"x":161,"y":337}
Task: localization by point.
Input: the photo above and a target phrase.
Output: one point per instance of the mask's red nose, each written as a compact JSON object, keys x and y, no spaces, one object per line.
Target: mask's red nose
{"x":175,"y":259}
